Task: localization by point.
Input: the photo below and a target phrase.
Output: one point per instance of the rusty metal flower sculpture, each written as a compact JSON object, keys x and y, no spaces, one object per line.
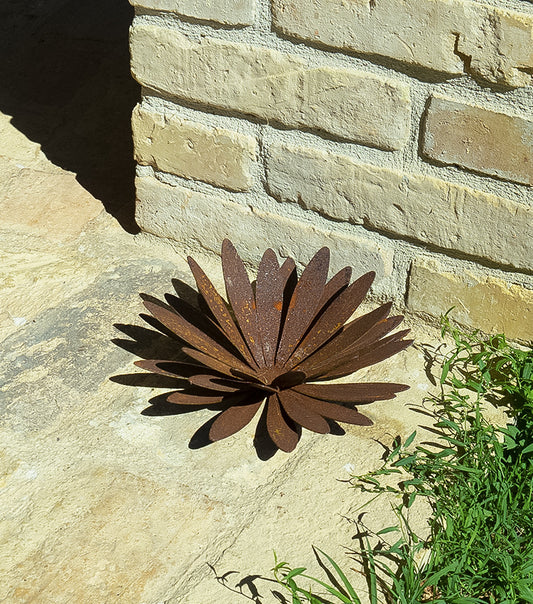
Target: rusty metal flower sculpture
{"x":274,"y":342}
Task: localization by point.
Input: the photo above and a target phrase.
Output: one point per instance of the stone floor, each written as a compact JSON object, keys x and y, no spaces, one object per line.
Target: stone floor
{"x":105,"y":497}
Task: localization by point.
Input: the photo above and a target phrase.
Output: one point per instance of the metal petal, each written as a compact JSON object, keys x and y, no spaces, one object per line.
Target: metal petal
{"x":290,"y":277}
{"x":361,"y":393}
{"x":270,"y":286}
{"x":168,"y":368}
{"x":294,"y":405}
{"x":368,"y":341}
{"x":192,"y":335}
{"x":184,"y":398}
{"x":215,"y":364}
{"x":284,"y":436}
{"x":337,"y":283}
{"x":287,"y":283}
{"x":376,"y":355}
{"x":215,"y":382}
{"x":289,"y":380}
{"x":304,"y":304}
{"x":242,"y":299}
{"x":218,"y":307}
{"x":377,"y":332}
{"x":232,"y":420}
{"x":326,"y":357}
{"x":336,"y":412}
{"x":193,"y":315}
{"x":333,"y":318}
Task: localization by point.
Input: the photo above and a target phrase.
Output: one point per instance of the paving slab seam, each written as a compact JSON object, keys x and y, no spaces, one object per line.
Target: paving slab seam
{"x":261,"y":495}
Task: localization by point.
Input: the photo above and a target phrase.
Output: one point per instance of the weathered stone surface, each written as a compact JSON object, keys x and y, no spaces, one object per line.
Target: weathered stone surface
{"x":44,"y":275}
{"x":204,"y":220}
{"x":496,"y":44}
{"x":451,"y":36}
{"x":215,"y":155}
{"x":410,"y":205}
{"x":230,"y":12}
{"x":478,"y":139}
{"x":48,"y":203}
{"x":20,"y":150}
{"x":273,"y":86}
{"x":103,"y":498}
{"x":480,"y":302}
{"x":415,"y":32}
{"x":36,"y":196}
{"x":102,"y":503}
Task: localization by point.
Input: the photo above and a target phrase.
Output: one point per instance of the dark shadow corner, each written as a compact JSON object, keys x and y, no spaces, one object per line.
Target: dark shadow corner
{"x":66,"y":81}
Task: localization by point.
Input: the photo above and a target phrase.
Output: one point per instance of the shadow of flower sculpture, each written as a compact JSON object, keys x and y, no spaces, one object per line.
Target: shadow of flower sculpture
{"x":274,"y":342}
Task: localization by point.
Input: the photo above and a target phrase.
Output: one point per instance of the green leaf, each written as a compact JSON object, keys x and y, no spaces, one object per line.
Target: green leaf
{"x":372,"y":571}
{"x":405,"y":461}
{"x":347,"y":584}
{"x":413,"y":482}
{"x":294,"y":572}
{"x":410,"y":439}
{"x":528,"y":449}
{"x":448,"y":569}
{"x":445,"y":371}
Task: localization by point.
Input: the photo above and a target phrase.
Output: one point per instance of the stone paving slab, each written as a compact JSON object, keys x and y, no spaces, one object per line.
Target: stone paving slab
{"x":104,"y":499}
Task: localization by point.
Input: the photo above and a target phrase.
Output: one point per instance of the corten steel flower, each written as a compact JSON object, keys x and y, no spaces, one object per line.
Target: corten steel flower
{"x":274,"y":342}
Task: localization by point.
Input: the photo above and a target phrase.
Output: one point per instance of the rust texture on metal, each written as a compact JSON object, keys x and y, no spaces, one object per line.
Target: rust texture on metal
{"x":274,"y":342}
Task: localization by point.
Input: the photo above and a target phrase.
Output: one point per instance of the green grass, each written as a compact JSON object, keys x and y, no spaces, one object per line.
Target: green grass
{"x":477,"y":479}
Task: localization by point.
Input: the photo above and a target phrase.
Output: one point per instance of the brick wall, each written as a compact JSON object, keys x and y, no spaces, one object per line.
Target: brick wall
{"x":397,"y":132}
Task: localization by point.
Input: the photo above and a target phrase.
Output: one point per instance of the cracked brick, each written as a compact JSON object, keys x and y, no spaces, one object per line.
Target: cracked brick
{"x":450,"y":36}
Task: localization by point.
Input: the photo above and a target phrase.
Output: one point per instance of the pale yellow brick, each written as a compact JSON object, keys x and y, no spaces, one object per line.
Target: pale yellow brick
{"x":195,"y":218}
{"x":481,"y":140}
{"x":411,"y":206}
{"x":497,"y":44}
{"x":413,"y":31}
{"x":482,"y":302}
{"x":230,"y":12}
{"x":273,"y":86}
{"x":215,"y":155}
{"x":450,"y":36}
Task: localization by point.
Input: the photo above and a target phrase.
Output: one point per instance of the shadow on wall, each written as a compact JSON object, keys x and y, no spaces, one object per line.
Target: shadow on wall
{"x":66,"y":81}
